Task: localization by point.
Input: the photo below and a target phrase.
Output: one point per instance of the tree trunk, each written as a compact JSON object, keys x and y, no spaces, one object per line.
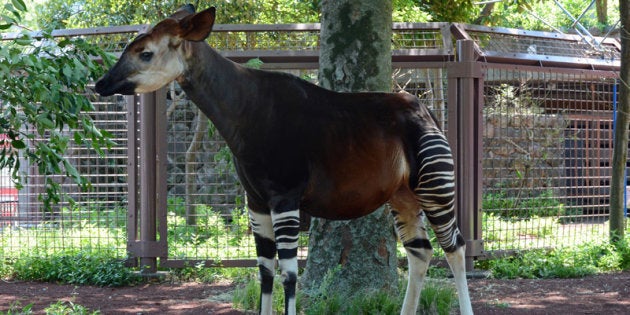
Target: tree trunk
{"x":485,"y":13}
{"x":601,"y":6}
{"x":191,"y":168}
{"x":355,"y":55}
{"x":620,"y":150}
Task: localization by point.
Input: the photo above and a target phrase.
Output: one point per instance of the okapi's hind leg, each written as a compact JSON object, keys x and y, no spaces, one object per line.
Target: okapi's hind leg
{"x":436,"y":195}
{"x":413,"y":235}
{"x":266,"y":251}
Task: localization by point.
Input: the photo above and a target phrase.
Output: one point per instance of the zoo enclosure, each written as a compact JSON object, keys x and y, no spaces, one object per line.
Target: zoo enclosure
{"x":529,"y":116}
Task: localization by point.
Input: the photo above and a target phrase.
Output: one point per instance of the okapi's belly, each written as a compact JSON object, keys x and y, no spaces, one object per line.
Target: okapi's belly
{"x":354,"y":185}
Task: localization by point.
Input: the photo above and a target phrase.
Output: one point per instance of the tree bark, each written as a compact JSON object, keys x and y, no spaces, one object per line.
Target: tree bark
{"x":191,"y":168}
{"x":601,"y":6}
{"x":355,"y":55}
{"x":485,"y":13}
{"x":620,"y":146}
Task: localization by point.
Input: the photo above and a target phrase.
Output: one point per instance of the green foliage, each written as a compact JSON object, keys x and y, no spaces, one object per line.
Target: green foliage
{"x":82,"y":267}
{"x":15,"y":308}
{"x":57,"y":308}
{"x":623,"y":248}
{"x":408,"y":11}
{"x":571,"y":262}
{"x":223,"y":233}
{"x":42,"y":80}
{"x":449,"y":10}
{"x":210,"y":223}
{"x":254,"y":63}
{"x":518,"y":16}
{"x":200,"y":273}
{"x":68,"y":308}
{"x":81,"y":14}
{"x":436,"y":298}
{"x":544,"y":204}
{"x":94,"y":214}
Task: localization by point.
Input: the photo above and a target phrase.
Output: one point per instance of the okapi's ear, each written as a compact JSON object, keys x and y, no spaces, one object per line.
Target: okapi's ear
{"x":183,"y":12}
{"x":198,"y":26}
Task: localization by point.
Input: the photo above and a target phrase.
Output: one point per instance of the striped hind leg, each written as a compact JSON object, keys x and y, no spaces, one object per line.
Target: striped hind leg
{"x":436,"y":193}
{"x":413,"y":235}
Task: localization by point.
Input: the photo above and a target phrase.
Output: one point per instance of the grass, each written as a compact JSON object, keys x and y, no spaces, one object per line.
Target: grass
{"x":437,"y":297}
{"x":81,"y":267}
{"x":545,"y":204}
{"x":568,"y":262}
{"x":57,"y":308}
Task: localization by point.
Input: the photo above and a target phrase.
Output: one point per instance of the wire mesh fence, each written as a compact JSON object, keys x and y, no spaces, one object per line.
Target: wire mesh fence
{"x":97,"y":218}
{"x":547,"y":142}
{"x":547,"y":152}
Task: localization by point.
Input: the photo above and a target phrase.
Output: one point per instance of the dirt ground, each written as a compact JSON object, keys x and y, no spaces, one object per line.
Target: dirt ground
{"x":602,"y":294}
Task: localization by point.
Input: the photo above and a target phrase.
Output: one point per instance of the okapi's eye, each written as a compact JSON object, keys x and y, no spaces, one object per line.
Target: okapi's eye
{"x":146,"y":56}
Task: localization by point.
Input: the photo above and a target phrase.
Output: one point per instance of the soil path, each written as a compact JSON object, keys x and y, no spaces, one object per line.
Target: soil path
{"x":602,"y":294}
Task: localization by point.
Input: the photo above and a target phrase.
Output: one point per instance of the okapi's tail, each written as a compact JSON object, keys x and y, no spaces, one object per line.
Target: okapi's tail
{"x":436,"y":189}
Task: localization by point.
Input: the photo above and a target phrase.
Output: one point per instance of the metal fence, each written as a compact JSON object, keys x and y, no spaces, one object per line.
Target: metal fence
{"x":529,"y":119}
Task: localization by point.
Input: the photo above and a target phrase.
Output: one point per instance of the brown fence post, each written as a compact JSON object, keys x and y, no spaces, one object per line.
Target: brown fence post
{"x":152,"y":183}
{"x":161,"y":164}
{"x":148,"y":191}
{"x":465,"y":99}
{"x":132,"y":177}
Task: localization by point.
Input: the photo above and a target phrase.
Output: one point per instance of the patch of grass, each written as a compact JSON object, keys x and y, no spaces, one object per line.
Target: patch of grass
{"x":203,"y":274}
{"x":57,"y":308}
{"x":499,"y":304}
{"x":545,"y":204}
{"x":15,"y":308}
{"x":82,"y":267}
{"x":68,"y":308}
{"x":570,"y":262}
{"x":436,"y":298}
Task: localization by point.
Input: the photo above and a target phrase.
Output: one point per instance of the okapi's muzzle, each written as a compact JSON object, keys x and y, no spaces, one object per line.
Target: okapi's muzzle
{"x":107,"y":86}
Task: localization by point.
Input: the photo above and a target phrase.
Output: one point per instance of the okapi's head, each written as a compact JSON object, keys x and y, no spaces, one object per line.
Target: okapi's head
{"x":157,"y":57}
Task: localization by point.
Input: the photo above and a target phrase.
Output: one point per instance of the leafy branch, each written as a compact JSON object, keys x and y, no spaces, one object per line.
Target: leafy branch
{"x":42,"y":105}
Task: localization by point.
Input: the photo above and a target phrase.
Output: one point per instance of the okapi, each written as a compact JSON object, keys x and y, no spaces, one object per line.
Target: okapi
{"x":297,"y":146}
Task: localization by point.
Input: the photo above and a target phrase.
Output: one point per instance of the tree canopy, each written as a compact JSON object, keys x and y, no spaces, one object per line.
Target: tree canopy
{"x":526,"y":14}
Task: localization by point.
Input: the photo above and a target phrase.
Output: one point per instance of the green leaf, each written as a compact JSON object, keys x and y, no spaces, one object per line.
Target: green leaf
{"x":19,"y":4}
{"x":18,"y":144}
{"x":8,"y":19}
{"x":44,"y":121}
{"x":67,"y":71}
{"x":254,"y":63}
{"x":24,"y":41}
{"x":78,"y":138}
{"x":71,"y":170}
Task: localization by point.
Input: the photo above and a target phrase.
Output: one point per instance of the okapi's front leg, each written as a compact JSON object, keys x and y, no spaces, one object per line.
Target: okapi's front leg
{"x":266,"y":251}
{"x":286,"y":226}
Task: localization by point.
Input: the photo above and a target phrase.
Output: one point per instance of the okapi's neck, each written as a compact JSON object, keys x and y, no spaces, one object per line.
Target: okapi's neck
{"x":217,"y":86}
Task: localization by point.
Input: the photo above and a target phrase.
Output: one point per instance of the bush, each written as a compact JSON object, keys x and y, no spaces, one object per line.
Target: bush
{"x":574,"y":262}
{"x":623,"y":248}
{"x":84,"y":267}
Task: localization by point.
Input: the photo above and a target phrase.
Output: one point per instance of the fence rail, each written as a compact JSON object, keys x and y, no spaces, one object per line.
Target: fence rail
{"x":529,"y":116}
